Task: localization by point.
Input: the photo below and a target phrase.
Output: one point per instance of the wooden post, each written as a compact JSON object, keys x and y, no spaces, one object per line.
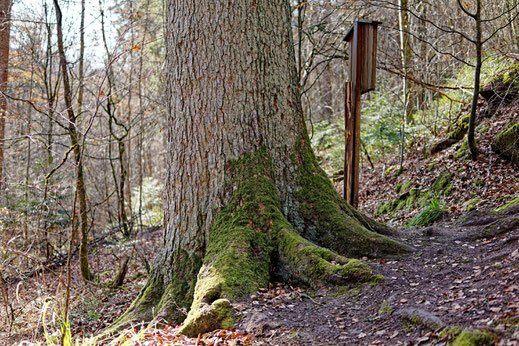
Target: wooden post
{"x":362,"y":72}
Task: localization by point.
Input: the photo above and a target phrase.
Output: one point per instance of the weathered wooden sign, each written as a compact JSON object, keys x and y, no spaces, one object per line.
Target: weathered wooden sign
{"x":362,"y":39}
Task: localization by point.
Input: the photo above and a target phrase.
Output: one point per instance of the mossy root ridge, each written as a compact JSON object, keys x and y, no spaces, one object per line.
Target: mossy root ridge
{"x":252,"y":239}
{"x":329,"y":221}
{"x":251,"y":236}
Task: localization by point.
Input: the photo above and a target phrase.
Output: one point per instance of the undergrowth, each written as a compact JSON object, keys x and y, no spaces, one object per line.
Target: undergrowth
{"x":427,"y":216}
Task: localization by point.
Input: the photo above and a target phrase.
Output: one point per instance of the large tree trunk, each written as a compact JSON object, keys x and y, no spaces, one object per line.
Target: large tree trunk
{"x":245,"y":196}
{"x":5,"y":17}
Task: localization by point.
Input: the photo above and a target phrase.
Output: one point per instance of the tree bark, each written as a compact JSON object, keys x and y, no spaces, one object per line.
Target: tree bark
{"x":406,"y":57}
{"x":5,"y":18}
{"x":477,"y":76}
{"x":245,"y":198}
{"x":75,"y":139}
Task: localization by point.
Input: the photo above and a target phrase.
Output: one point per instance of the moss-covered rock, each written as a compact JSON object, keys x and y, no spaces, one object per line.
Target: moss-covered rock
{"x":474,"y":338}
{"x":441,"y":185}
{"x":506,"y":144}
{"x":208,"y":317}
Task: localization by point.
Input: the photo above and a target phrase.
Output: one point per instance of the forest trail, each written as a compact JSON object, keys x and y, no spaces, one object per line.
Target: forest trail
{"x":463,"y":275}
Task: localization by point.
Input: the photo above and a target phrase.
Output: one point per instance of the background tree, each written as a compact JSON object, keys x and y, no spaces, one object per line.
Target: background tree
{"x":5,"y":15}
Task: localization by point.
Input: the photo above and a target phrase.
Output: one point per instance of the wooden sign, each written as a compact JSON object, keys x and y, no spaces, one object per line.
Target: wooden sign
{"x":362,"y":39}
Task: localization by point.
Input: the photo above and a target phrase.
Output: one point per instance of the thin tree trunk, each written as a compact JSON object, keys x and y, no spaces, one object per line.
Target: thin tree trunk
{"x":76,"y":145}
{"x":81,"y":60}
{"x":29,"y":159}
{"x":112,"y":119}
{"x":141,"y":112}
{"x":5,"y":18}
{"x":477,"y":75}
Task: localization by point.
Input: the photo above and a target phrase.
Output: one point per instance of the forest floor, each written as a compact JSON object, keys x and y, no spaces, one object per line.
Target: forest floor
{"x":489,"y":182}
{"x":462,"y":274}
{"x":457,"y":278}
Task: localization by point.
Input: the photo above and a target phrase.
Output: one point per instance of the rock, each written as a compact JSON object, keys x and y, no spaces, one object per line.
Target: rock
{"x":474,"y":337}
{"x":259,"y":323}
{"x":506,"y":144}
{"x":421,"y":317}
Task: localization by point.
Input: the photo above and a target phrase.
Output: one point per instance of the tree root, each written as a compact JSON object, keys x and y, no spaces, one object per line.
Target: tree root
{"x":251,"y":240}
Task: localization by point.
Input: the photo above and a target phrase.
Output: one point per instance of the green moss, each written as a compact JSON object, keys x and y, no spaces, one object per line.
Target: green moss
{"x":208,"y":317}
{"x":510,"y":321}
{"x":471,"y":204}
{"x":414,"y":195}
{"x":510,"y":76}
{"x":303,"y":261}
{"x":390,"y":170}
{"x":442,"y":182}
{"x":432,"y":166}
{"x":237,"y":259}
{"x":384,"y":208}
{"x":509,"y":204}
{"x":326,"y":218}
{"x":459,"y":129}
{"x":450,"y":332}
{"x":178,"y":294}
{"x":474,"y":338}
{"x":412,"y":322}
{"x":484,"y":129}
{"x":463,"y":149}
{"x":507,"y":144}
{"x":403,"y":187}
{"x":385,"y":308}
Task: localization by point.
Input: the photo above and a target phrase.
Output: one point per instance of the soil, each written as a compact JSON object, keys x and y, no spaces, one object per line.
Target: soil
{"x":456,"y":277}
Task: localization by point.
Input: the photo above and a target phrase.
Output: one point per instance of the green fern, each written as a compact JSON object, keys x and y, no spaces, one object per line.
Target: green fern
{"x":427,"y":216}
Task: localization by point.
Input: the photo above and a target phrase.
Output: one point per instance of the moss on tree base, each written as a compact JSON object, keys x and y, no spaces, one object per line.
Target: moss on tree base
{"x":252,"y":239}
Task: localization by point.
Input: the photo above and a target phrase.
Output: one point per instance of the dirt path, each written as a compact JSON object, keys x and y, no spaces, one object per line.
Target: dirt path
{"x":460,"y":275}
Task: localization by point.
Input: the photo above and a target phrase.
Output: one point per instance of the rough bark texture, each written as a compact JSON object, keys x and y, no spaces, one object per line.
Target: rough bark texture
{"x":5,"y":9}
{"x":245,"y":196}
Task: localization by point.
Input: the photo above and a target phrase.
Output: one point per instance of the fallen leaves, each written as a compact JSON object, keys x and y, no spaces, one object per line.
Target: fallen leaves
{"x":168,"y":335}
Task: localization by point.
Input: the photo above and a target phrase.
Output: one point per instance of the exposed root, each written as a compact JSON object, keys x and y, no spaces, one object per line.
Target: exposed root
{"x":250,"y":239}
{"x":303,"y":261}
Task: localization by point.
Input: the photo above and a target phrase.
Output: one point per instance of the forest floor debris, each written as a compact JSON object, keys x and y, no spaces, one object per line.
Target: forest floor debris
{"x":464,"y":280}
{"x":490,"y":182}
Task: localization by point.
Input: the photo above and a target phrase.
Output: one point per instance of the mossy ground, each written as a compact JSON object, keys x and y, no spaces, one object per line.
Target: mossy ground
{"x":411,"y":197}
{"x":474,"y":338}
{"x":507,"y":143}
